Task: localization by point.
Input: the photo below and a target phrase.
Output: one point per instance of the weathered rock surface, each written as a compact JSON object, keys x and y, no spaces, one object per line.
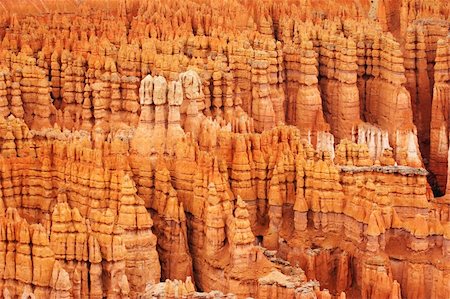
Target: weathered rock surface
{"x":202,"y":149}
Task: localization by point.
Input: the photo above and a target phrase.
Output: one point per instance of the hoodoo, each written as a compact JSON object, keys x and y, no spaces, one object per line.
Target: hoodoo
{"x":225,"y":149}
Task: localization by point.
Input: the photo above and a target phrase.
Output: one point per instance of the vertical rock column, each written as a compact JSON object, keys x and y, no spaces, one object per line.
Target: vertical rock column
{"x":214,"y":223}
{"x":275,"y":212}
{"x":100,"y":84}
{"x":217,"y":92}
{"x":174,"y":131}
{"x":291,"y":58}
{"x":55,"y":83}
{"x":338,"y":65}
{"x":78,"y":79}
{"x":241,"y":176}
{"x":439,"y":133}
{"x":16,"y":105}
{"x":418,"y":83}
{"x":69,"y":242}
{"x":86,"y":113}
{"x":308,"y":105}
{"x":260,"y":179}
{"x":347,"y":113}
{"x":36,"y":97}
{"x":170,"y":227}
{"x":142,"y":143}
{"x":240,"y":54}
{"x":262,"y":107}
{"x":241,"y":238}
{"x":129,"y":86}
{"x":43,"y":260}
{"x":363,"y":64}
{"x":388,"y":102}
{"x":4,"y":110}
{"x":23,"y":261}
{"x":229,"y":108}
{"x":160,"y":100}
{"x":142,"y":262}
{"x":300,"y":206}
{"x":277,"y":93}
{"x":61,"y":284}
{"x":192,"y":94}
{"x":119,"y":100}
{"x":176,"y":262}
{"x":20,"y":249}
{"x":113,"y":252}
{"x":185,"y":170}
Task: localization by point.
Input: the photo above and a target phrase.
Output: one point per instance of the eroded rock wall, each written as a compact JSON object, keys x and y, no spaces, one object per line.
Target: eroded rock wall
{"x":205,"y":149}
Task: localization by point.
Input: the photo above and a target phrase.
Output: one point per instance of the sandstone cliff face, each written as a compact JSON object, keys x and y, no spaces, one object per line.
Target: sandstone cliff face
{"x":262,"y":149}
{"x":439,"y":119}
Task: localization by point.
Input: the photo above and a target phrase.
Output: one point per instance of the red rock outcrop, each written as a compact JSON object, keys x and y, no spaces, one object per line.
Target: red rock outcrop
{"x":266,"y":149}
{"x":439,"y":120}
{"x":170,"y":228}
{"x":140,"y":243}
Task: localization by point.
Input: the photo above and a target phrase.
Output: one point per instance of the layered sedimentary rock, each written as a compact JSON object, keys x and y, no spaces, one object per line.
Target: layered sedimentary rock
{"x":338,"y":68}
{"x":439,"y":117}
{"x":264,"y":149}
{"x":140,"y":243}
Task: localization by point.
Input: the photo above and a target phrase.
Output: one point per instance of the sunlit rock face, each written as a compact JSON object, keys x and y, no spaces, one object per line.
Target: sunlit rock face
{"x":211,"y":149}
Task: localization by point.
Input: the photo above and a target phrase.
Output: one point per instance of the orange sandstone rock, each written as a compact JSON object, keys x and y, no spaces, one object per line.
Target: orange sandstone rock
{"x":143,"y":142}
